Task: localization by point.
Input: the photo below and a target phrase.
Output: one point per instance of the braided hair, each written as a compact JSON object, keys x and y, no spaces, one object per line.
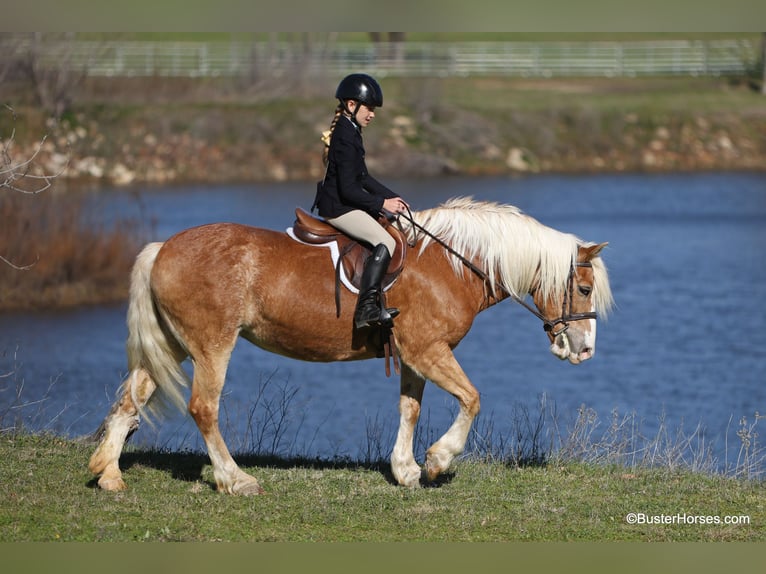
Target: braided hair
{"x":326,"y":135}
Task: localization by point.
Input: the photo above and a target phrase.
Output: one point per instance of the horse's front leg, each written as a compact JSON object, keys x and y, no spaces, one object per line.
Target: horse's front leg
{"x":403,"y":465}
{"x":440,"y":366}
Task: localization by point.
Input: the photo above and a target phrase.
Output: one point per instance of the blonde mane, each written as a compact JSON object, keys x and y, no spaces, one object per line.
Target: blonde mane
{"x":513,"y":248}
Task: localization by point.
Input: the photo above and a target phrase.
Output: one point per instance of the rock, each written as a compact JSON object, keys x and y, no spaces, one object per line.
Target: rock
{"x":662,"y":133}
{"x":516,"y":160}
{"x":121,"y":175}
{"x":89,"y":165}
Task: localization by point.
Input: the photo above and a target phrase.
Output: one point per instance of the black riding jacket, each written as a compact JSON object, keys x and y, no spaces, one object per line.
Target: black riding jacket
{"x":347,"y":185}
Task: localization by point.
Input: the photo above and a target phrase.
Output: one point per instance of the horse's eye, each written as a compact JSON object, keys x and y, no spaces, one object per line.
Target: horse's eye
{"x":584,"y":290}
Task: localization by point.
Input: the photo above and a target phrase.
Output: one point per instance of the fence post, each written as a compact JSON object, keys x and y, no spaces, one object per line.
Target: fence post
{"x":204,"y":62}
{"x":763,"y":63}
{"x":149,"y":60}
{"x":620,"y":61}
{"x":119,"y":61}
{"x":539,"y":59}
{"x":705,"y":58}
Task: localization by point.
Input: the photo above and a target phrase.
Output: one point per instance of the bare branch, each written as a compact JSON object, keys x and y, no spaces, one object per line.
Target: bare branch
{"x":12,"y":172}
{"x":23,"y":176}
{"x":19,"y":267}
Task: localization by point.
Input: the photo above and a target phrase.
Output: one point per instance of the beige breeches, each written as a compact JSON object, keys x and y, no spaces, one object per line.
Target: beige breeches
{"x":361,"y":226}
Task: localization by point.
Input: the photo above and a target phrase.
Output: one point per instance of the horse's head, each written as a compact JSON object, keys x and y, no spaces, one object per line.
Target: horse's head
{"x":570,"y":318}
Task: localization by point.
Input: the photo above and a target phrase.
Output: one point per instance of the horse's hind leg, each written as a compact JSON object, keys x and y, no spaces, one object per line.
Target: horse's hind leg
{"x":403,"y":465}
{"x":119,"y":424}
{"x":209,"y":376}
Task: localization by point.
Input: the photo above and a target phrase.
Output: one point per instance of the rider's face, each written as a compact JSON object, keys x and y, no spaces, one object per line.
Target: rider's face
{"x":364,"y":115}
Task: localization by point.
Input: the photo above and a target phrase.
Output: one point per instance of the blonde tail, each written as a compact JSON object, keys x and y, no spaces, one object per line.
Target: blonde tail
{"x":149,"y":346}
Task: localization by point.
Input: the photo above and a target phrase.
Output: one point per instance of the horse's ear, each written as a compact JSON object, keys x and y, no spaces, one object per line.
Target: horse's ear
{"x":590,"y":252}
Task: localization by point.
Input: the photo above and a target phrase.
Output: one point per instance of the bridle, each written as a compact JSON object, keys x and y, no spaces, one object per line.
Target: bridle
{"x":549,"y":325}
{"x":566,"y":316}
{"x":566,"y":313}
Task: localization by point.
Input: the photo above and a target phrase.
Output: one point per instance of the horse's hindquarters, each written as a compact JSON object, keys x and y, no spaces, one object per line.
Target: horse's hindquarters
{"x":278,"y":294}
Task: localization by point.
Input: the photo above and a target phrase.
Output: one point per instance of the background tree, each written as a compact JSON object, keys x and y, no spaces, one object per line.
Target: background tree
{"x":394,"y":44}
{"x":55,"y":64}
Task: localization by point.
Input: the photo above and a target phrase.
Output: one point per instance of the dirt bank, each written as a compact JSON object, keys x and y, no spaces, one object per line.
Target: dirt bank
{"x":480,"y":126}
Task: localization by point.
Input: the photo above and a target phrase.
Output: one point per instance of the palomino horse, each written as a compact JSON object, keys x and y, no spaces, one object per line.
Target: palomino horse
{"x":195,"y":294}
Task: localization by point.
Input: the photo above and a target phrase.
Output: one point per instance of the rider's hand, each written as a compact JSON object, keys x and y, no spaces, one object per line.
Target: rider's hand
{"x":395,"y":205}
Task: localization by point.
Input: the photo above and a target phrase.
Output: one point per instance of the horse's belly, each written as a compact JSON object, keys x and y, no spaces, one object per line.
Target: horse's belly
{"x":307,"y":344}
{"x":295,"y":312}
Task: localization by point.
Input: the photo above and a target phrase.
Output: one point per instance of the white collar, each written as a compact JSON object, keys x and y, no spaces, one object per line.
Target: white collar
{"x":353,"y":123}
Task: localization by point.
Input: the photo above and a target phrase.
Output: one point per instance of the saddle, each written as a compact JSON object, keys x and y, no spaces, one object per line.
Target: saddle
{"x":349,"y":265}
{"x":352,"y":254}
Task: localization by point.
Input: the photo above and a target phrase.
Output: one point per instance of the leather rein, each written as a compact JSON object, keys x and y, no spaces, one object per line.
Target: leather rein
{"x":549,"y":325}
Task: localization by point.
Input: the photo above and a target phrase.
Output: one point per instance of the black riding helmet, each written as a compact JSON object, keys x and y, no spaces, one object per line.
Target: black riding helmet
{"x":362,"y":88}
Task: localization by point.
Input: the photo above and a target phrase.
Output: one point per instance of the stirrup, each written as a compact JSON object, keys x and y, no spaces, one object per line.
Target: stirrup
{"x":387,"y":316}
{"x":382,"y":317}
{"x":364,"y":317}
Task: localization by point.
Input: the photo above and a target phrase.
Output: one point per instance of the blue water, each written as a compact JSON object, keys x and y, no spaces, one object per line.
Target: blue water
{"x":685,"y":343}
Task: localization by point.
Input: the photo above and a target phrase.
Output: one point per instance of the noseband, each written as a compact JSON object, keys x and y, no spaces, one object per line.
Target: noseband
{"x":566,"y":314}
{"x":548,"y":325}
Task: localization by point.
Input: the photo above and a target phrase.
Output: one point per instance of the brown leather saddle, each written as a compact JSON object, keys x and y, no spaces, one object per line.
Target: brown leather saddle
{"x":353,"y":254}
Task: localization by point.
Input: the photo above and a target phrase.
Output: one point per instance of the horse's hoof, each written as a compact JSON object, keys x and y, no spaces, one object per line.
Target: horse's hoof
{"x":112,"y":484}
{"x":431,"y":471}
{"x":243,"y":488}
{"x":251,"y":490}
{"x":434,"y":468}
{"x":411,"y":479}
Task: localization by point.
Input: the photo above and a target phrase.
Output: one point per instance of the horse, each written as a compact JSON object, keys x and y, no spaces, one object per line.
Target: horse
{"x":195,"y":294}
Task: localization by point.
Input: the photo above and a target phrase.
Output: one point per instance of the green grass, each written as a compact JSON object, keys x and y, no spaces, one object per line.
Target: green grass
{"x":47,"y":494}
{"x":650,"y":96}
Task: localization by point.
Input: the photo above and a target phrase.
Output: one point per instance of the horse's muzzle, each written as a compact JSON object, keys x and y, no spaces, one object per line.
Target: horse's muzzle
{"x":562,"y":349}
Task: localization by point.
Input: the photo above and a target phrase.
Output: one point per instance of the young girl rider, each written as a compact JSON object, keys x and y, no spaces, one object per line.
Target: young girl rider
{"x":351,"y":200}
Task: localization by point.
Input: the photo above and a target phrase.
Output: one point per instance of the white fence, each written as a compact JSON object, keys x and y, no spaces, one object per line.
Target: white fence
{"x":521,"y":59}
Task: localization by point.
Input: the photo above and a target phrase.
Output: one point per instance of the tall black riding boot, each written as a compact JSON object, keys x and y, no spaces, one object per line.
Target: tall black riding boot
{"x":369,"y":311}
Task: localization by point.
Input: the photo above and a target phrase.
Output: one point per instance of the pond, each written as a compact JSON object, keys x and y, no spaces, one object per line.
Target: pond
{"x":681,"y":353}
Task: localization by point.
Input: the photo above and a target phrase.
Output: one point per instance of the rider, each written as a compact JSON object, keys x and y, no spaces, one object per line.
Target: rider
{"x":351,"y":199}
